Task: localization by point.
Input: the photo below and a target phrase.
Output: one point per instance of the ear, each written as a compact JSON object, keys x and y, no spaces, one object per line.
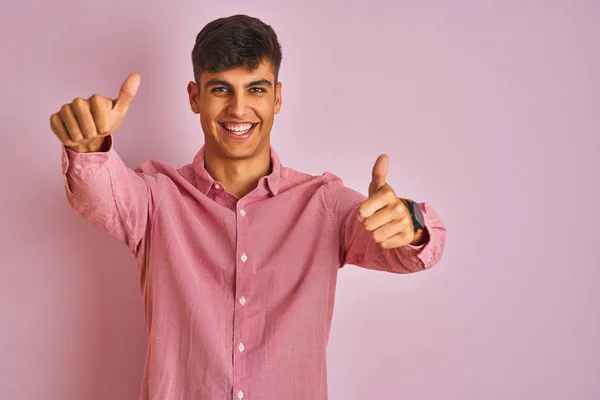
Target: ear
{"x":277,"y":97}
{"x":192,"y":90}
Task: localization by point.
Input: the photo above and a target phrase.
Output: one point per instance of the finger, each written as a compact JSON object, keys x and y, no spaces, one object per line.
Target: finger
{"x":81,"y":108}
{"x":380,"y":199}
{"x":100,"y":108}
{"x":60,"y":130}
{"x":379,"y":173}
{"x":390,"y":230}
{"x":70,"y":121}
{"x":127,"y":92}
{"x":384,"y":216}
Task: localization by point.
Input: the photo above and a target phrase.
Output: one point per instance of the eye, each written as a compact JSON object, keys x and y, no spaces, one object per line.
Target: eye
{"x":257,"y":90}
{"x":219,"y":89}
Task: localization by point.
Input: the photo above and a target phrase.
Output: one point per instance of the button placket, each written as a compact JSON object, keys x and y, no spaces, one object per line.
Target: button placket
{"x":243,"y":257}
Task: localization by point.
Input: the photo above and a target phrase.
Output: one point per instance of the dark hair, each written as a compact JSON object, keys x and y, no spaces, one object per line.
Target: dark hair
{"x":235,"y":41}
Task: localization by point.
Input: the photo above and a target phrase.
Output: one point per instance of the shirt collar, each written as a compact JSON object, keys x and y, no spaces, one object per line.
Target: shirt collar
{"x":205,"y":181}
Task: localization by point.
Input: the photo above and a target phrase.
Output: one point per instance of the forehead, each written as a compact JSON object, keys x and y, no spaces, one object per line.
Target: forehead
{"x":242,"y":74}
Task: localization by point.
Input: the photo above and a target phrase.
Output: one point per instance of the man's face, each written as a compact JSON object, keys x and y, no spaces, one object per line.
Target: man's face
{"x":237,"y":108}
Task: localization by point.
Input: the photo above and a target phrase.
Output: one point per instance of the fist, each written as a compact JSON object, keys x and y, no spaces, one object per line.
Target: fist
{"x":384,"y":214}
{"x":83,"y":124}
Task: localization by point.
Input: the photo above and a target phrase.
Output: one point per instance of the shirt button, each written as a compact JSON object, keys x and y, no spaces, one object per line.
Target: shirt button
{"x":243,"y":301}
{"x":244,"y":257}
{"x":241,"y":347}
{"x":243,"y":212}
{"x":217,"y":186}
{"x":240,"y":395}
{"x":78,"y":166}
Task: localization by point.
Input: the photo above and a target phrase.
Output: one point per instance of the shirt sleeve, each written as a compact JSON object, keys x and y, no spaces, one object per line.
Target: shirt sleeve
{"x":357,"y":246}
{"x":103,"y":190}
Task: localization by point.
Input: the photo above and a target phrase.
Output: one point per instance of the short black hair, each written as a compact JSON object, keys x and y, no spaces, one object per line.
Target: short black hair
{"x":235,"y":41}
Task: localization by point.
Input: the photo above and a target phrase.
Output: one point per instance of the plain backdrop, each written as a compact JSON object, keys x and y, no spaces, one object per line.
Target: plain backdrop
{"x":489,"y":110}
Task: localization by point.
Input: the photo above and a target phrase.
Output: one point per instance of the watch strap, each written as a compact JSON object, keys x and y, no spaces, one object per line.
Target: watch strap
{"x":416,"y":215}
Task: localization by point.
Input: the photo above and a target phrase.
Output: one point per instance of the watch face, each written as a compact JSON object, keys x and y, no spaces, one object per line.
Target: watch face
{"x":418,"y":214}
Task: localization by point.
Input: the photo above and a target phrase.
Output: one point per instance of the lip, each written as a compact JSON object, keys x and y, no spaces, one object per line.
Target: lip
{"x":233,"y":135}
{"x":237,"y":122}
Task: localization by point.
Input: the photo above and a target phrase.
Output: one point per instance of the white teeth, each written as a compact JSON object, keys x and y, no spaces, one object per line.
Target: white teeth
{"x":238,"y":128}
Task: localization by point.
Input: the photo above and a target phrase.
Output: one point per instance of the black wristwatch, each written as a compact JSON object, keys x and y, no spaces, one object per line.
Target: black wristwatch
{"x":416,"y":215}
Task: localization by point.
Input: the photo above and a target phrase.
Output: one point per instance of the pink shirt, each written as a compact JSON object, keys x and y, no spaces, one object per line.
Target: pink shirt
{"x":238,"y":293}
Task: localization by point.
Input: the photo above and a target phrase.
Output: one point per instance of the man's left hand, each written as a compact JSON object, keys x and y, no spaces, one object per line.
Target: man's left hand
{"x":384,"y":214}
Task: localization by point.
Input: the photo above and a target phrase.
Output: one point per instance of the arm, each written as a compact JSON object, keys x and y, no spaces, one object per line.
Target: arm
{"x":99,"y":186}
{"x":104,"y":191}
{"x":358,"y":247}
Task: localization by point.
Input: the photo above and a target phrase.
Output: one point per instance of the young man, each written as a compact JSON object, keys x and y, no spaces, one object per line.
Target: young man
{"x":237,"y":255}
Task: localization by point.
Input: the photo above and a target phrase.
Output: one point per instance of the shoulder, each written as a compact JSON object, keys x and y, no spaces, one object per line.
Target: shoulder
{"x":291,"y":178}
{"x":335,"y":193}
{"x":163,"y":172}
{"x":151,"y":166}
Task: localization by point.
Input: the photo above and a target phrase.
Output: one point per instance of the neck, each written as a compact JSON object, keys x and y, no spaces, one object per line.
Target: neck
{"x":240,"y":176}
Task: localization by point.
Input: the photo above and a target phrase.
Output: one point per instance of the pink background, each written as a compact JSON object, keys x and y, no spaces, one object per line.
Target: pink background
{"x":488,"y":110}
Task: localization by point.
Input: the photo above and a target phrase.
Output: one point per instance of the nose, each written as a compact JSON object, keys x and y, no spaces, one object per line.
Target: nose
{"x":238,"y":107}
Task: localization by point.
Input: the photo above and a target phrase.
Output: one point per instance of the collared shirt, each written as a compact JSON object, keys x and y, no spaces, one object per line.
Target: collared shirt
{"x":238,"y":292}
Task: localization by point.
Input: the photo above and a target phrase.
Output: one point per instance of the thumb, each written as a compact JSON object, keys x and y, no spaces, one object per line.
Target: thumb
{"x":127,"y":92}
{"x":380,"y":170}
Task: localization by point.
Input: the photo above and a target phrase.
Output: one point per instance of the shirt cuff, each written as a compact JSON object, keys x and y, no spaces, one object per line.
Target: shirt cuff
{"x":89,"y":159}
{"x":424,"y":252}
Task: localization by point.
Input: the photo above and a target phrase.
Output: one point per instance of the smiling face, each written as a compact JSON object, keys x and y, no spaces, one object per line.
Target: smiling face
{"x":237,"y":108}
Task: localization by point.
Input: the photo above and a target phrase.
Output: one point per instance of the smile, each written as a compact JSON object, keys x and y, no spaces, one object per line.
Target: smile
{"x":238,"y":129}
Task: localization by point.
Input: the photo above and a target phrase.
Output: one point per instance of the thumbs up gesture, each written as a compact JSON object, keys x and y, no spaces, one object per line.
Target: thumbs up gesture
{"x":83,"y":124}
{"x":384,"y":213}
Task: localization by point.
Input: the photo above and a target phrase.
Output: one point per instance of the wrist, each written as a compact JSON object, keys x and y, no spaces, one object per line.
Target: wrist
{"x":421,"y":238}
{"x":93,"y":146}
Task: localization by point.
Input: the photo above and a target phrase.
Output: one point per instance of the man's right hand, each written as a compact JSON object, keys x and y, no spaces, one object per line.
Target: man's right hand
{"x":82,"y":125}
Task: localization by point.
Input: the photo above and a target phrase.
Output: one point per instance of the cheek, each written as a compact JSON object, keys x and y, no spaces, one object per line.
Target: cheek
{"x":206,"y":101}
{"x":265,"y":111}
{"x":209,"y":111}
{"x":207,"y":118}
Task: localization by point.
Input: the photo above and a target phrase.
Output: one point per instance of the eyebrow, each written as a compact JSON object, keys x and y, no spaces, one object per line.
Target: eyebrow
{"x":221,"y":82}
